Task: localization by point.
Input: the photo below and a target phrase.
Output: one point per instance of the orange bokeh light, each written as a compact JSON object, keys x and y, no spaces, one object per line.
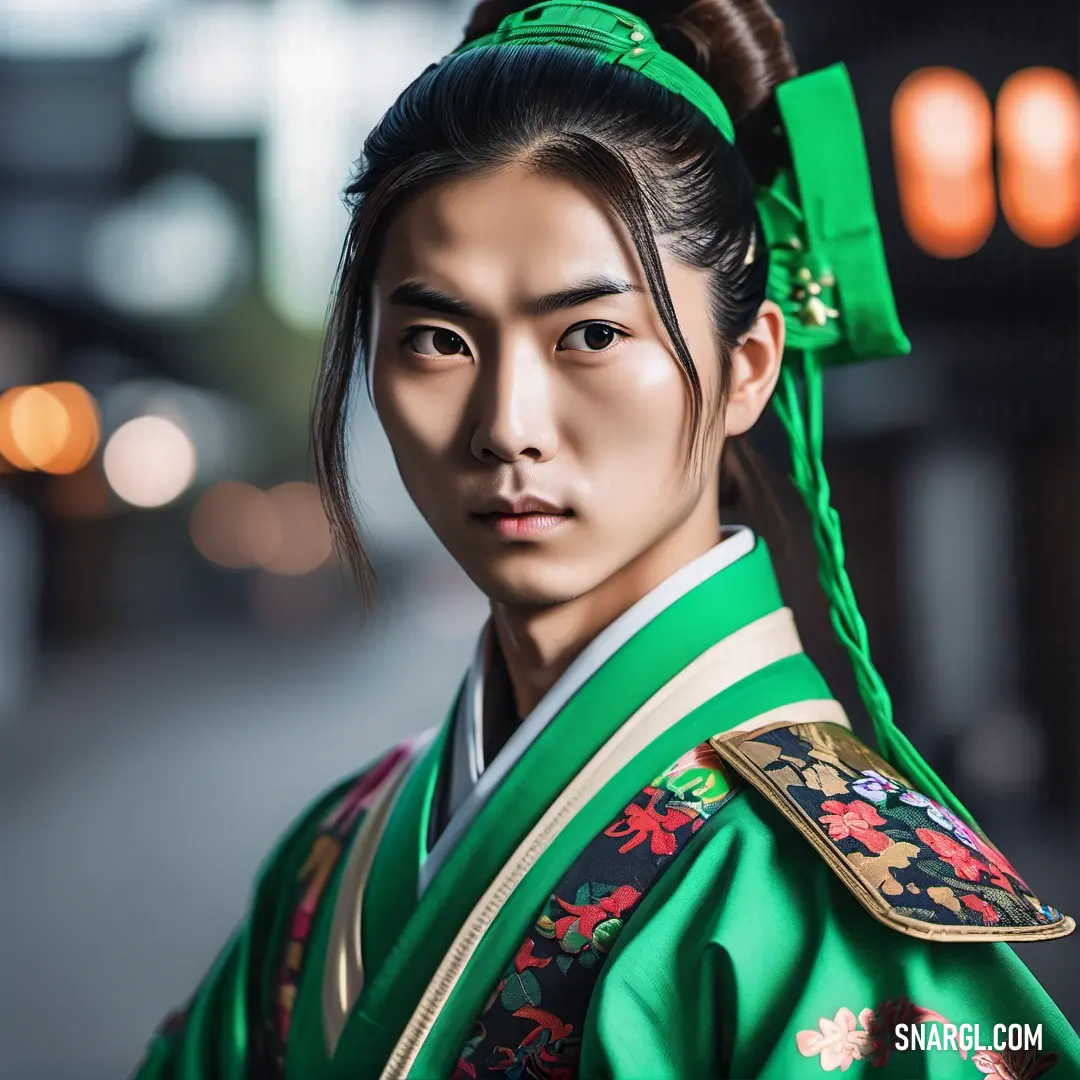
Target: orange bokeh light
{"x":9,"y":447}
{"x":283,"y":530}
{"x":54,"y":428}
{"x":306,"y":543}
{"x":236,"y":525}
{"x":1038,"y":139}
{"x":942,"y":129}
{"x":85,"y":428}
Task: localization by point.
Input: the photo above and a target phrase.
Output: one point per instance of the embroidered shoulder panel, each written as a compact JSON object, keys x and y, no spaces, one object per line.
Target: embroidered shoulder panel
{"x":912,"y":863}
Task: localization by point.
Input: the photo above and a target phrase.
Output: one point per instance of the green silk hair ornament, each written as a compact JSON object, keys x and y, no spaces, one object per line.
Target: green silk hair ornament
{"x":827,"y":273}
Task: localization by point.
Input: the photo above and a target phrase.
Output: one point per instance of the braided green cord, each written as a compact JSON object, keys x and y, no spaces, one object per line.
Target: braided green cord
{"x":803,"y":422}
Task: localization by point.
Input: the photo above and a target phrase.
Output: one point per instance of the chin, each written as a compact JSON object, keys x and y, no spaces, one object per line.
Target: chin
{"x":533,"y":580}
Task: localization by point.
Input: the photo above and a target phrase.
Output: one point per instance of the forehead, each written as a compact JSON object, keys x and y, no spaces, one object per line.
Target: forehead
{"x":512,"y":230}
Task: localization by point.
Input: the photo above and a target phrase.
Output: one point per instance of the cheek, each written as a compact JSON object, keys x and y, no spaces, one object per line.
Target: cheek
{"x":634,"y":423}
{"x":421,"y":415}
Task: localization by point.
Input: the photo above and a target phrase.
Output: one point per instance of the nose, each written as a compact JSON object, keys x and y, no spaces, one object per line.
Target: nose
{"x":514,"y":417}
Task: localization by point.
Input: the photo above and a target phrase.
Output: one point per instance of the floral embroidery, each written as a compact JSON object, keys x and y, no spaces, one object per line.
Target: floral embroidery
{"x":843,"y":1040}
{"x":855,"y":819}
{"x":648,"y":823}
{"x":943,"y":895}
{"x":935,"y":813}
{"x":838,"y":1041}
{"x":1014,"y":1064}
{"x":964,"y":864}
{"x":913,"y":798}
{"x":593,"y":922}
{"x":977,"y":903}
{"x":326,"y":849}
{"x":875,"y":787}
{"x":892,"y":836}
{"x":878,"y":869}
{"x":531,"y":1024}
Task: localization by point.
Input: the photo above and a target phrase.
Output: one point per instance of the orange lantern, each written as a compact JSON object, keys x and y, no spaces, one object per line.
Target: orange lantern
{"x":1038,"y":140}
{"x":942,"y":127}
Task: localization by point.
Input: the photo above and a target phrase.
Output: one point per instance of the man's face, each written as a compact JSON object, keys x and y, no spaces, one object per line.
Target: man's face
{"x":536,"y":411}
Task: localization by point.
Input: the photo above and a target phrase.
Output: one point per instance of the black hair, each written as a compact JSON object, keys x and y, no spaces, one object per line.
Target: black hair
{"x":659,"y":164}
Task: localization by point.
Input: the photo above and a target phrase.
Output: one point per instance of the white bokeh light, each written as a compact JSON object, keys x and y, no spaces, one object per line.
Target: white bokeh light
{"x":308,"y":79}
{"x":203,"y":74}
{"x":149,"y":461}
{"x":174,"y":249}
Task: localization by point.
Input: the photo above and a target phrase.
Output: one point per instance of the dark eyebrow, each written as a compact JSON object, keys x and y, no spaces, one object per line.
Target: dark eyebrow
{"x":418,"y":295}
{"x":584,"y":293}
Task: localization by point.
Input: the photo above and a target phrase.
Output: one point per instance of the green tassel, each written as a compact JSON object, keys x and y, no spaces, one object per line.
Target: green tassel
{"x":801,"y":415}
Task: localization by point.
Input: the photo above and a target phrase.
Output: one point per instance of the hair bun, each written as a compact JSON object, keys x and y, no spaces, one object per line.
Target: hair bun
{"x":737,"y":46}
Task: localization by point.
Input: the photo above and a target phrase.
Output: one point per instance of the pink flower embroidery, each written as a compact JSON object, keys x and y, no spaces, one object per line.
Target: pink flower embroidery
{"x":839,"y":1041}
{"x":856,"y":819}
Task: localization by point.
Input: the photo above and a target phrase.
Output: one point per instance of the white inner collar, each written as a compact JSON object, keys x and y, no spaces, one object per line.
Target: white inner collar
{"x":471,"y":780}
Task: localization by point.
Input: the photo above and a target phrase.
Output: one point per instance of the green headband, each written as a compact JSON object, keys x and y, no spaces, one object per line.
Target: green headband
{"x":827,"y":273}
{"x":615,"y":37}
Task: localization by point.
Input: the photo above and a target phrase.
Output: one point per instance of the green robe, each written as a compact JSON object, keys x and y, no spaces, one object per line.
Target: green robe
{"x":768,"y":949}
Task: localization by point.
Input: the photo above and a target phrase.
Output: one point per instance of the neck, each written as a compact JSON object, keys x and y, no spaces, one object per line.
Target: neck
{"x":539,"y":643}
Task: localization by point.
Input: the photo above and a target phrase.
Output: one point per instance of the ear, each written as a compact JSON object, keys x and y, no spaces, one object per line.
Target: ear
{"x":755,"y":367}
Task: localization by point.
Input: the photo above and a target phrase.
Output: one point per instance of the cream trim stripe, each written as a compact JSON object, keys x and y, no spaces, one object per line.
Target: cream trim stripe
{"x":756,"y":646}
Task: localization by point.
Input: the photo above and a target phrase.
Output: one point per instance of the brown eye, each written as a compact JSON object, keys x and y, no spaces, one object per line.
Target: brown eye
{"x":437,"y":341}
{"x":590,"y":337}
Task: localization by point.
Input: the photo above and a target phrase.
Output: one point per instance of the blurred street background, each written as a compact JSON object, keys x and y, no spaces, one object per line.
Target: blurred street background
{"x":183,"y":665}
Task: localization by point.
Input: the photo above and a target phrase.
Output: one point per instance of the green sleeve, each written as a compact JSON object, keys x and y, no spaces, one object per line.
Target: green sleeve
{"x":753,"y":960}
{"x":209,"y":1038}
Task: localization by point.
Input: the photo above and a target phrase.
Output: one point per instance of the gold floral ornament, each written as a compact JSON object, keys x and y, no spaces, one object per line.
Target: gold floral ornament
{"x":801,"y":280}
{"x":811,"y":278}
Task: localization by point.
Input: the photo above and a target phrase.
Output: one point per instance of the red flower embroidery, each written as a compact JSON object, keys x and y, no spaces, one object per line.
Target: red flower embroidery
{"x":464,"y":1070}
{"x":588,"y":916}
{"x":525,"y":958}
{"x":999,"y":865}
{"x":986,"y":910}
{"x":959,"y":857}
{"x":856,"y":819}
{"x":545,"y":1020}
{"x":643,"y":822}
{"x":536,"y":1055}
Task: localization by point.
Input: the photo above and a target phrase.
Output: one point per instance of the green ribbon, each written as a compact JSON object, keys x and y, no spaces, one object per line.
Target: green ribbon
{"x":827,"y":266}
{"x":827,"y":273}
